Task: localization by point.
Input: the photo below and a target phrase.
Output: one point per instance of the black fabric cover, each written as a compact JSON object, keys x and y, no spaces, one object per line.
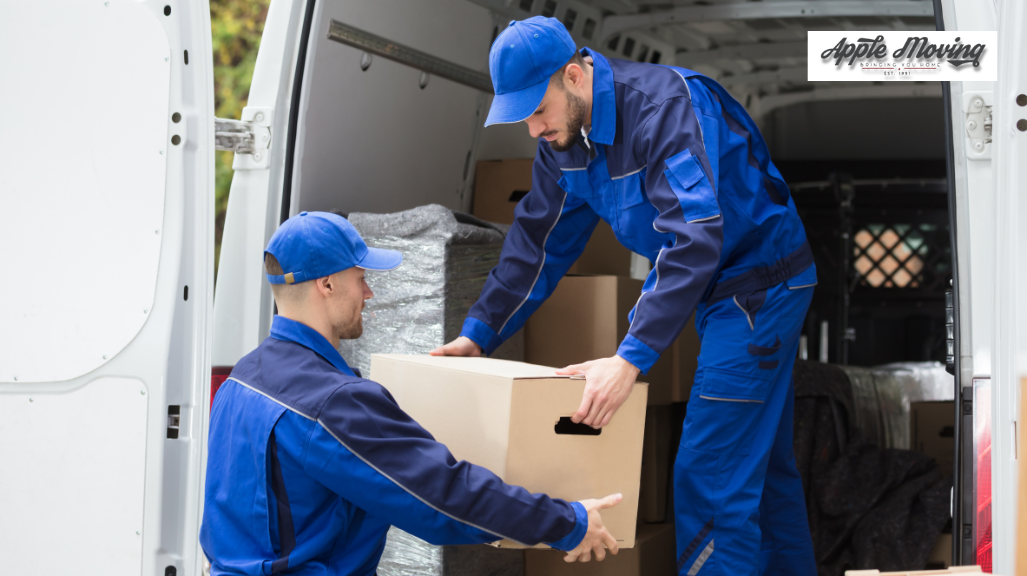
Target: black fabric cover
{"x":868,"y":508}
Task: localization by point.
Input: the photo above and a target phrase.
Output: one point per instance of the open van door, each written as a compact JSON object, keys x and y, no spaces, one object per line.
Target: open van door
{"x":987,"y":172}
{"x":1009,"y":355}
{"x":106,"y":219}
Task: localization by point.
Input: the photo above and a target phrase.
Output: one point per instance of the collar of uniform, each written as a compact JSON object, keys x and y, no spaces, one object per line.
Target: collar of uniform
{"x":604,"y":103}
{"x":292,"y":331}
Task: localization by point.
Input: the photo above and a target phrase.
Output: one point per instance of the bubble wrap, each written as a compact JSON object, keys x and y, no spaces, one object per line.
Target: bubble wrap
{"x":423,"y":303}
{"x":883,"y":394}
{"x":408,"y":555}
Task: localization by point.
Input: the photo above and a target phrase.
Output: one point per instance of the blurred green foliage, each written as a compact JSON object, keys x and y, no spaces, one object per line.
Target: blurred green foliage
{"x":236,"y":26}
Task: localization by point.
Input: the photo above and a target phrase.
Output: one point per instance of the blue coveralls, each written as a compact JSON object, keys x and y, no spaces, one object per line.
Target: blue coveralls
{"x":308,"y":465}
{"x":680,"y":171}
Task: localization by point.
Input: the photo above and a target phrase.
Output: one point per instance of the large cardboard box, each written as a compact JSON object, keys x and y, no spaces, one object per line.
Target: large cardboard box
{"x":657,"y":455}
{"x":603,"y":254}
{"x":513,"y":418}
{"x":500,"y":184}
{"x":587,"y":318}
{"x":654,"y":554}
{"x":931,"y":430}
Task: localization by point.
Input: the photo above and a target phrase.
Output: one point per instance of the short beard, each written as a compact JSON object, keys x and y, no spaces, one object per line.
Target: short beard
{"x":354,"y":330}
{"x":575,"y":121}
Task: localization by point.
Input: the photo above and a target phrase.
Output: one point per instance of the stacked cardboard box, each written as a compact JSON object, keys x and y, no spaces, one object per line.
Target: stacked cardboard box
{"x":586,"y":318}
{"x":931,"y":427}
{"x":500,"y":184}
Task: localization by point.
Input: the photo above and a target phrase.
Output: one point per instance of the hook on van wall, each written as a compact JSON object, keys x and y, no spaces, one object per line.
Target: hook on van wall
{"x":423,"y":80}
{"x":365,"y":61}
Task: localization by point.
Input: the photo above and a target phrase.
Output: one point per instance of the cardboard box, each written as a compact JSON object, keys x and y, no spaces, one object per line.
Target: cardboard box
{"x":603,"y":254}
{"x":654,"y":554}
{"x":657,"y":456}
{"x":941,"y":555}
{"x":512,"y":418}
{"x":500,"y":184}
{"x":586,"y":318}
{"x":931,"y":431}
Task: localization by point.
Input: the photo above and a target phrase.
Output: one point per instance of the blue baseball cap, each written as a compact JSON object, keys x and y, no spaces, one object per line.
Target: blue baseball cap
{"x":313,"y":245}
{"x":521,"y":60}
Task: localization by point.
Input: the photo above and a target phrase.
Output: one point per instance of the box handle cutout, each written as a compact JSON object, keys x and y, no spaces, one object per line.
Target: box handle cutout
{"x":566,"y":426}
{"x":516,"y":195}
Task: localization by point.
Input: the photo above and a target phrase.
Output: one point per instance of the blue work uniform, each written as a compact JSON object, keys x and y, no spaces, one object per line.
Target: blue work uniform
{"x":308,"y":466}
{"x":681,"y":173}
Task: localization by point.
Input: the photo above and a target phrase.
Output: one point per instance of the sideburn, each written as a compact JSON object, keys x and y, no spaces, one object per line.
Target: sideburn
{"x":575,"y":120}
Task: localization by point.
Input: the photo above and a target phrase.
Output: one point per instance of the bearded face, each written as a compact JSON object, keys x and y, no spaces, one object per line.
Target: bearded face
{"x":574,"y":119}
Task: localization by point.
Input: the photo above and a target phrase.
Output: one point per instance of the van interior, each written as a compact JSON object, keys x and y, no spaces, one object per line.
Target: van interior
{"x":375,"y":135}
{"x":866,"y":161}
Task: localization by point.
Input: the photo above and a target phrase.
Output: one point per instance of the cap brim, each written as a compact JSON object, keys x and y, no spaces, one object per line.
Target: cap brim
{"x":379,"y":259}
{"x":516,"y":106}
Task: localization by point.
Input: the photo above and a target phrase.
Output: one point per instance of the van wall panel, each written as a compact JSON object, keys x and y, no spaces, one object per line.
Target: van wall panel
{"x":374,"y":141}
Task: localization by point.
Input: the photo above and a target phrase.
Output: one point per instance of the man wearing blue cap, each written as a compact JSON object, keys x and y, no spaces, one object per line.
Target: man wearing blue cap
{"x":679,"y":170}
{"x":309,"y":464}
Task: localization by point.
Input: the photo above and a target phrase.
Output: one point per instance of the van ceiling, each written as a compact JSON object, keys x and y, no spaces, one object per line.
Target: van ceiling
{"x":756,"y":49}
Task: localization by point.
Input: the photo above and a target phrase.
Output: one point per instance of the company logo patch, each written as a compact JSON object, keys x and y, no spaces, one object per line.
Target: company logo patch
{"x":897,"y":56}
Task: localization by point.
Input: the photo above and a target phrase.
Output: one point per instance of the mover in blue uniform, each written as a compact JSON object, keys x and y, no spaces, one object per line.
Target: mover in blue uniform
{"x":309,"y":464}
{"x":677,"y":167}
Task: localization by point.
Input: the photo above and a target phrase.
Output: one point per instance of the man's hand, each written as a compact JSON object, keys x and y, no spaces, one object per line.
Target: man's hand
{"x":597,"y":535}
{"x":608,"y":383}
{"x":462,"y":346}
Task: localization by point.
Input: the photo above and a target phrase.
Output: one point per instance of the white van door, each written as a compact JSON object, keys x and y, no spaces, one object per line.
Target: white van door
{"x":106,"y":223}
{"x":1009,"y":350}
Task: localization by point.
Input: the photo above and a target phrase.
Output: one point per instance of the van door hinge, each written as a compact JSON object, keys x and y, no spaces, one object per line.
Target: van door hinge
{"x":978,"y":127}
{"x":249,"y":138}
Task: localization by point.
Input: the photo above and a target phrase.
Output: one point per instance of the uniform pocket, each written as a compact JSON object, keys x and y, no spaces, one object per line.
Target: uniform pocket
{"x":692,"y":187}
{"x":576,"y":183}
{"x":732,"y":386}
{"x":628,"y":189}
{"x":724,"y":418}
{"x":751,"y":303}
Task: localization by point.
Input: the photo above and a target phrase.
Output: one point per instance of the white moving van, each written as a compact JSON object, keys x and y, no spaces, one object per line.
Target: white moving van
{"x":111,"y":332}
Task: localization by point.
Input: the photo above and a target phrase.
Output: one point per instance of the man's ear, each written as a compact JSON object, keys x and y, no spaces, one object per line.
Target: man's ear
{"x":574,"y":74}
{"x":324,"y":285}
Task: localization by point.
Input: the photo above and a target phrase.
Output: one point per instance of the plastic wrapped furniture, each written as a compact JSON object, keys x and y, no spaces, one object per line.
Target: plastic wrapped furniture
{"x":422,"y":304}
{"x":407,"y":555}
{"x":882,"y":395}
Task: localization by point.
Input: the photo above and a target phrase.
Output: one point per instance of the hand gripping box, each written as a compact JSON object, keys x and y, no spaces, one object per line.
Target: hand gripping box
{"x":513,"y":418}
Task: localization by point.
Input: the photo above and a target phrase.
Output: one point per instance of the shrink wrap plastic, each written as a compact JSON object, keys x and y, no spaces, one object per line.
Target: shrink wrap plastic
{"x":422,"y":304}
{"x":408,"y":555}
{"x":882,"y":395}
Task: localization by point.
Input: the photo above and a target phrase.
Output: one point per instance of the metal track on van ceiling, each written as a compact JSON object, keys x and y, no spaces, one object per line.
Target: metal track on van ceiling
{"x":374,"y":44}
{"x":879,"y":182}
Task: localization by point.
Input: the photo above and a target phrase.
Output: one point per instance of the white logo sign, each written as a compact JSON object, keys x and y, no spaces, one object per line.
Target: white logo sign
{"x":917,"y":56}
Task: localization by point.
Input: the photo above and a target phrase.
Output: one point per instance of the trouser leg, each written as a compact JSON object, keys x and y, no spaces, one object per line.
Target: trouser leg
{"x":734,"y":414}
{"x":787,"y":548}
